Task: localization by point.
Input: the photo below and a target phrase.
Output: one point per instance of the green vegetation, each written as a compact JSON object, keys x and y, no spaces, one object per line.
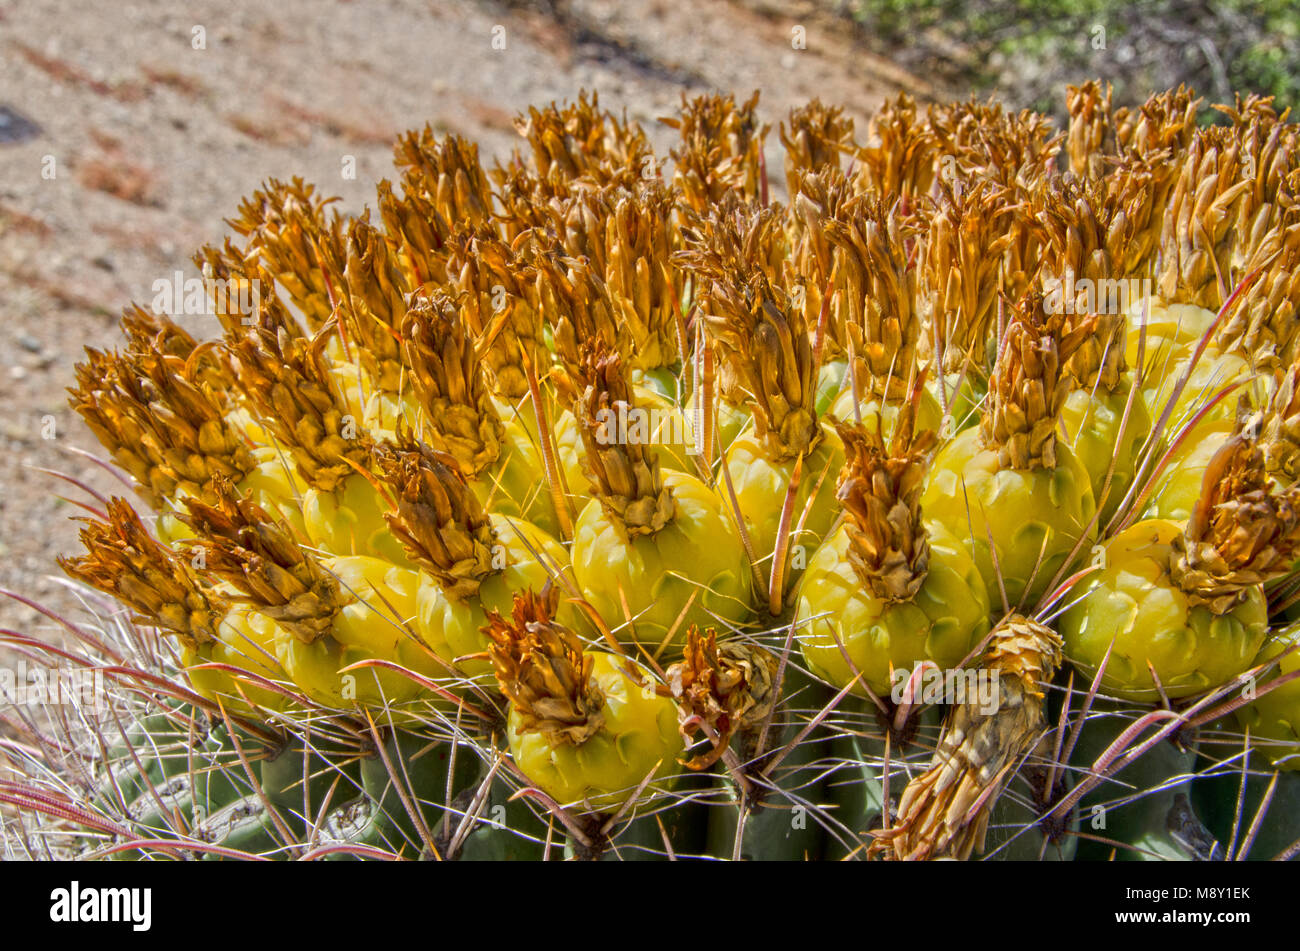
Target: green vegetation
{"x":1025,"y":50}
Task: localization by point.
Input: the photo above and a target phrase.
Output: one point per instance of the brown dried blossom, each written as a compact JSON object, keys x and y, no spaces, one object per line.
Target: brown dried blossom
{"x":728,"y":687}
{"x":159,"y":585}
{"x":1242,"y":532}
{"x":880,"y":489}
{"x":258,"y":554}
{"x":944,"y":812}
{"x":544,"y":672}
{"x":438,"y":520}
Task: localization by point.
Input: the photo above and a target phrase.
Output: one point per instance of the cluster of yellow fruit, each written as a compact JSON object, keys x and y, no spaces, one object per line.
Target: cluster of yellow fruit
{"x":539,"y":429}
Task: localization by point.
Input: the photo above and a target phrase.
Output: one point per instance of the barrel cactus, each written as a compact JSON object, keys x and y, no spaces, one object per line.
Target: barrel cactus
{"x":594,"y":506}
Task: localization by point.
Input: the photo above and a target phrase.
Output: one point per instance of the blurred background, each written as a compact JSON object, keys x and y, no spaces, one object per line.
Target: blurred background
{"x":128,"y":132}
{"x":1026,"y":51}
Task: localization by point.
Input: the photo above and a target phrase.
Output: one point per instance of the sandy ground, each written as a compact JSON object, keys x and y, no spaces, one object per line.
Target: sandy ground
{"x":139,"y":144}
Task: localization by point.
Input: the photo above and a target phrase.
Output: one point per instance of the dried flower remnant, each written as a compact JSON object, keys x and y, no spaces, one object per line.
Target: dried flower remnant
{"x":728,"y":688}
{"x":944,"y":812}
{"x":158,"y":584}
{"x":582,"y":141}
{"x":438,"y":519}
{"x":1241,"y":534}
{"x":544,"y":673}
{"x":721,"y":143}
{"x":819,"y":134}
{"x":289,"y":230}
{"x":258,"y":555}
{"x":625,"y":474}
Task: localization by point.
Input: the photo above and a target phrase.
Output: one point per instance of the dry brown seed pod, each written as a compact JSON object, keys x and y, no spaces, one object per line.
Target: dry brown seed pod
{"x":438,"y":519}
{"x":721,"y":144}
{"x":159,"y":585}
{"x":728,"y":687}
{"x":1242,"y":532}
{"x":301,"y":245}
{"x":543,"y":671}
{"x":944,"y":812}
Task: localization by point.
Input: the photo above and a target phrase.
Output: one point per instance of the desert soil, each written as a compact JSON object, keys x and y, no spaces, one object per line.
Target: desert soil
{"x":123,"y":147}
